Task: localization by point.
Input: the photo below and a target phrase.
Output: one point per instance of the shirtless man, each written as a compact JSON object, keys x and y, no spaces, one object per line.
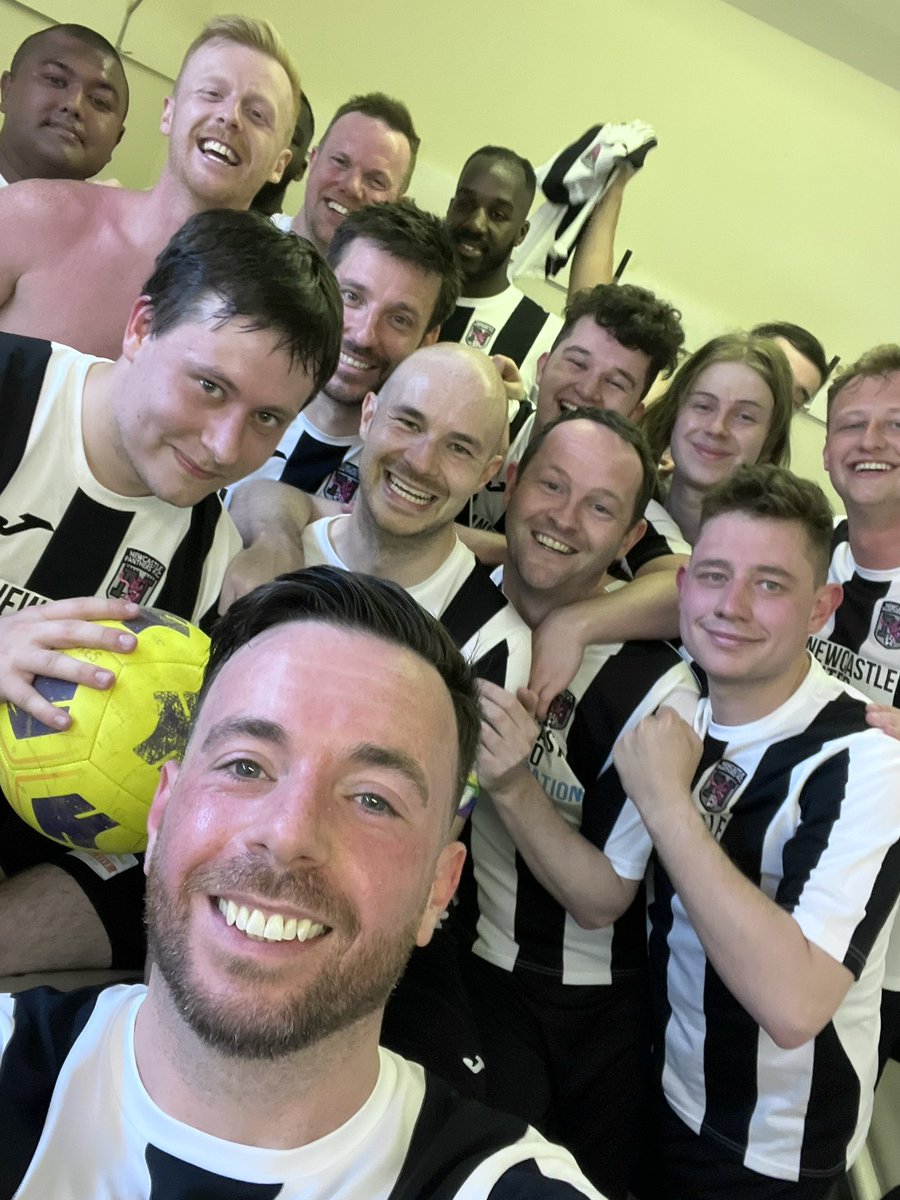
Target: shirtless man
{"x":366,"y":156}
{"x":64,"y":100}
{"x":79,"y":255}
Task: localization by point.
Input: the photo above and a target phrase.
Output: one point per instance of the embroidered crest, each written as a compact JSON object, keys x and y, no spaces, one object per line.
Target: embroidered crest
{"x":480,"y":334}
{"x":719,"y":788}
{"x":560,"y":711}
{"x":887,"y":631}
{"x":137,"y":575}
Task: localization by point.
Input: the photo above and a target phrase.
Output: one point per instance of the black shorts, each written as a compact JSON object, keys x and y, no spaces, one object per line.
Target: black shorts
{"x":573,"y":1060}
{"x":889,"y":1040}
{"x":117,"y":898}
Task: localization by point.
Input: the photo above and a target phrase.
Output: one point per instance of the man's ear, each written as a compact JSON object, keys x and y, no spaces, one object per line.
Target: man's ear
{"x":539,"y":367}
{"x":679,"y":577}
{"x":828,"y":599}
{"x":637,"y":412}
{"x":512,"y":477}
{"x":522,"y":234}
{"x":631,"y":538}
{"x":367,"y":414}
{"x":138,"y":328}
{"x":280,"y":166}
{"x":446,"y":878}
{"x":167,"y":777}
{"x":431,"y":336}
{"x":4,"y":84}
{"x":492,"y":466}
{"x":168,"y":112}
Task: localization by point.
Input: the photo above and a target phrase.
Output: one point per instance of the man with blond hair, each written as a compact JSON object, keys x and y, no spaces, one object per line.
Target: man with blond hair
{"x":74,"y":257}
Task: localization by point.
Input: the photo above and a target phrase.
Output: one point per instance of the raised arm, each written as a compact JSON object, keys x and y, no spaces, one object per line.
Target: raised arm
{"x":593,"y":261}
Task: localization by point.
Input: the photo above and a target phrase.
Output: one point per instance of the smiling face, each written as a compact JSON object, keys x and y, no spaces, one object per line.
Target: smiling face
{"x":202,"y":405}
{"x":300,"y":852}
{"x":229,"y":123}
{"x":590,"y":368}
{"x":486,"y":219}
{"x":388,"y":305}
{"x":862,"y":445}
{"x":722,"y":424}
{"x":359,"y":161}
{"x":570,"y":513}
{"x":431,"y":440}
{"x":64,"y":109}
{"x":748,"y":601}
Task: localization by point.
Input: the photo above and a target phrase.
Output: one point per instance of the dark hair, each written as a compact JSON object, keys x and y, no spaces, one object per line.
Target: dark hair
{"x":635,"y":317}
{"x":81,"y":33}
{"x":364,"y":604}
{"x":880,"y":361}
{"x":504,"y":154}
{"x":622,"y":428}
{"x":275,"y":280}
{"x":801,"y":339}
{"x":770,"y":492}
{"x":270,"y":197}
{"x":391,"y":112}
{"x":407,"y":233}
{"x":759,"y":354}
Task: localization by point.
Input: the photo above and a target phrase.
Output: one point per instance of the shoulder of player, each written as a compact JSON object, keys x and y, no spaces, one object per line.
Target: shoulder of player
{"x":627,"y":672}
{"x":531,"y":1168}
{"x":50,"y":210}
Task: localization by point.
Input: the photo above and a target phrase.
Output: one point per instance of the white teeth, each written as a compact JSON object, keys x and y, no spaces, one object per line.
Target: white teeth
{"x":873,"y":466}
{"x":407,"y":492}
{"x":338,"y":208}
{"x":353,"y":362}
{"x":223,"y":151}
{"x":275,"y":928}
{"x":552,"y":544}
{"x":566,"y":406}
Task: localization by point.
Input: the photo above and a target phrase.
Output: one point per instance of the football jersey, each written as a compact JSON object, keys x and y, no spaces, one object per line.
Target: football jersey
{"x":487,"y":508}
{"x":62,"y":533}
{"x":805,"y":803}
{"x":77,"y":1122}
{"x":509,"y":323}
{"x":518,"y":925}
{"x":313,"y":461}
{"x":861,"y":641}
{"x":487,"y":629}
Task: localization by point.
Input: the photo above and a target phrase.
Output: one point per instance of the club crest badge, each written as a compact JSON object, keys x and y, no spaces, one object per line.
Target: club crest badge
{"x":560,"y":711}
{"x":721,"y":785}
{"x":136,"y":577}
{"x":887,"y":630}
{"x":480,"y":334}
{"x":342,"y":483}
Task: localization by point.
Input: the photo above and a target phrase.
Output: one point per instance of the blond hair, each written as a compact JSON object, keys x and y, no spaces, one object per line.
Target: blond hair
{"x":257,"y":35}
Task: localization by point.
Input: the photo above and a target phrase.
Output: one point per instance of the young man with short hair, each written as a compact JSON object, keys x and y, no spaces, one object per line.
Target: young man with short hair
{"x":109,"y":474}
{"x":296,"y":857}
{"x":64,"y":100}
{"x":366,"y":156}
{"x":805,"y":355}
{"x":776,"y":824}
{"x":73,"y":257}
{"x":550,"y":897}
{"x":861,"y":642}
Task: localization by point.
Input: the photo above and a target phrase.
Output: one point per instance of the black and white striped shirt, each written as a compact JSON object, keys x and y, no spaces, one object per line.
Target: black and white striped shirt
{"x":314,"y":462}
{"x":77,"y":1123}
{"x":62,"y":533}
{"x":805,"y":803}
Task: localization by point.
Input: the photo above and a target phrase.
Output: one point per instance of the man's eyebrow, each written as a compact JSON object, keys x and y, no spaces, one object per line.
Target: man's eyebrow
{"x":745,"y":400}
{"x":99,"y":84}
{"x":573,"y":347}
{"x":758,"y":568}
{"x":368,"y":754}
{"x":407,"y":410}
{"x":253,"y":727}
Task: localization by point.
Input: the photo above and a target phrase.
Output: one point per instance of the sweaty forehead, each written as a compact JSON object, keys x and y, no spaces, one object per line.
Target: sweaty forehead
{"x":494,"y":178}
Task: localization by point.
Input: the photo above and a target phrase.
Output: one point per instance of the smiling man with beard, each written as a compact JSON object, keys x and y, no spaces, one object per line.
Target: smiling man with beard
{"x":296,"y":857}
{"x":75,"y":257}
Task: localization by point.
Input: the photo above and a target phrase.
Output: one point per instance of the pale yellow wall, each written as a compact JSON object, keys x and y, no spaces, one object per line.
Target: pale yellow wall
{"x":775,"y":189}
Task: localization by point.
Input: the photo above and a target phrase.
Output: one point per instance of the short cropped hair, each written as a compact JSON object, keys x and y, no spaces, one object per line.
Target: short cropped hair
{"x":761,"y":355}
{"x":635,"y":317}
{"x":271,"y":279}
{"x":391,"y":112}
{"x":411,"y":235}
{"x":880,"y":361}
{"x":363,"y":604}
{"x":623,"y":429}
{"x":504,"y":154}
{"x":256,"y":35}
{"x":770,"y":492}
{"x":81,"y":33}
{"x":801,"y":339}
